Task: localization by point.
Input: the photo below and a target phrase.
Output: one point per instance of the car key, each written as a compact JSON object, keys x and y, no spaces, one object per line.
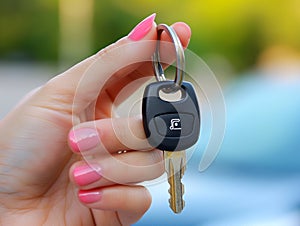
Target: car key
{"x":171,"y":125}
{"x":175,"y":167}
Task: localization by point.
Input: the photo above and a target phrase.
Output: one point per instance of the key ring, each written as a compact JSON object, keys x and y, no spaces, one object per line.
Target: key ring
{"x":180,"y":60}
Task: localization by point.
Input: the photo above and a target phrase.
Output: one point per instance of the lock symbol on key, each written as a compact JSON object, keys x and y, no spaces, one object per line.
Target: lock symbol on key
{"x":175,"y":124}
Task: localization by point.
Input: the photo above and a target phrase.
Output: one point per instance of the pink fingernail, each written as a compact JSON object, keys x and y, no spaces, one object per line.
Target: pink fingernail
{"x":87,"y":174}
{"x":90,"y":196}
{"x":142,"y":28}
{"x":83,"y":139}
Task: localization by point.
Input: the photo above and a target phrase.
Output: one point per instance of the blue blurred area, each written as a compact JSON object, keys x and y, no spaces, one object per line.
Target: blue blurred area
{"x":17,"y":79}
{"x":263,"y":125}
{"x":255,"y":179}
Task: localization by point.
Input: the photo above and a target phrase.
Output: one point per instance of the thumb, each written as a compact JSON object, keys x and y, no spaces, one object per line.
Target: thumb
{"x":80,"y":86}
{"x":82,"y":82}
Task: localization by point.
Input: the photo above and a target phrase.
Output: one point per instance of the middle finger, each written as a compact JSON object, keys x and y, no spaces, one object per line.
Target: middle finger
{"x":127,"y":168}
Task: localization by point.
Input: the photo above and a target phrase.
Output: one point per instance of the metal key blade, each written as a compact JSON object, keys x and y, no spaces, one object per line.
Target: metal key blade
{"x":175,"y":167}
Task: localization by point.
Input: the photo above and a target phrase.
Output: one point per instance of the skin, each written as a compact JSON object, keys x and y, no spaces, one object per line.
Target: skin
{"x":36,"y":163}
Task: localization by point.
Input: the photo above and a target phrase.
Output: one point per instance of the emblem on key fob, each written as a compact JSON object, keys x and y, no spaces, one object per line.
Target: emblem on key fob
{"x":175,"y":124}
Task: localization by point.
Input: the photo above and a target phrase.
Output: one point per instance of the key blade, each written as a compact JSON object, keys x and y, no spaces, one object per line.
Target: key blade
{"x":175,"y":167}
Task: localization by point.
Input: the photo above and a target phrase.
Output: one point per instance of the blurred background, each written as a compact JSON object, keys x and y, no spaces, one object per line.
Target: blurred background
{"x":233,"y":33}
{"x":253,"y":48}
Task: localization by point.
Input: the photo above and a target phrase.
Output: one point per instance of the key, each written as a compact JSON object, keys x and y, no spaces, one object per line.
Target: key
{"x":172,"y":126}
{"x":175,"y":167}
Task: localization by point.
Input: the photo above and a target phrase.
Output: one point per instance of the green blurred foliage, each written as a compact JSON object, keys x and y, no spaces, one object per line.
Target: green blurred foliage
{"x":29,"y":29}
{"x":236,"y":30}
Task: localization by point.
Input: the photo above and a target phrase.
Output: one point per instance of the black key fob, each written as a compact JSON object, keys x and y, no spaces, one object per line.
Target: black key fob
{"x":171,"y":125}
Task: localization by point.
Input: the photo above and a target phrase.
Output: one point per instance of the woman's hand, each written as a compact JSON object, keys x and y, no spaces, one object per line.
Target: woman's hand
{"x":42,"y":182}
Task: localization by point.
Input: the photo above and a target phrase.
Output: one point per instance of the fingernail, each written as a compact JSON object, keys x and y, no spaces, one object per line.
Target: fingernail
{"x":142,"y":28}
{"x":87,"y":174}
{"x":90,"y":196}
{"x":83,"y":139}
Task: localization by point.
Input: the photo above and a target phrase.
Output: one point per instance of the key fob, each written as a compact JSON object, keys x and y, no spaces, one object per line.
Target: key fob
{"x":171,"y":125}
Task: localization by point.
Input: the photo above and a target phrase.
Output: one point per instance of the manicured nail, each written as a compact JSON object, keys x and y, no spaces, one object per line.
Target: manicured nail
{"x":90,"y":196}
{"x":142,"y":28}
{"x":83,"y":139}
{"x":87,"y":174}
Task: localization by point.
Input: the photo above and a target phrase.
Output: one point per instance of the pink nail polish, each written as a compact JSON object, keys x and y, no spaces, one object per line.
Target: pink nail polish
{"x":90,"y":196}
{"x":83,"y":139}
{"x":87,"y":174}
{"x":142,"y":28}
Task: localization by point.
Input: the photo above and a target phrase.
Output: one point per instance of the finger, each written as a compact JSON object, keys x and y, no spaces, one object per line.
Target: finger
{"x":130,"y":202}
{"x":76,"y":71}
{"x":126,"y":168}
{"x":143,"y":69}
{"x":183,"y":31}
{"x":87,"y":86}
{"x":108,"y":136}
{"x":107,"y":61}
{"x":167,"y":49}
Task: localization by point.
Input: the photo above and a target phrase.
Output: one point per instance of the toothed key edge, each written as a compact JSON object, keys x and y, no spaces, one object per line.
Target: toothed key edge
{"x":176,"y":189}
{"x":176,"y":201}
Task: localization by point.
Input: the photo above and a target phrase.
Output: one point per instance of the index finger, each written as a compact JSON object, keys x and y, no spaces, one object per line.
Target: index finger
{"x":86,"y":80}
{"x":108,"y":135}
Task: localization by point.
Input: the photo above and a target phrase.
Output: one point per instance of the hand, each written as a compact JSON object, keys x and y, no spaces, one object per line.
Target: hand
{"x":40,"y":176}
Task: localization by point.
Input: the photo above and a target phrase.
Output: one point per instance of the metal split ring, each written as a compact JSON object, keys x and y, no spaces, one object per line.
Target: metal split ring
{"x":180,"y":60}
